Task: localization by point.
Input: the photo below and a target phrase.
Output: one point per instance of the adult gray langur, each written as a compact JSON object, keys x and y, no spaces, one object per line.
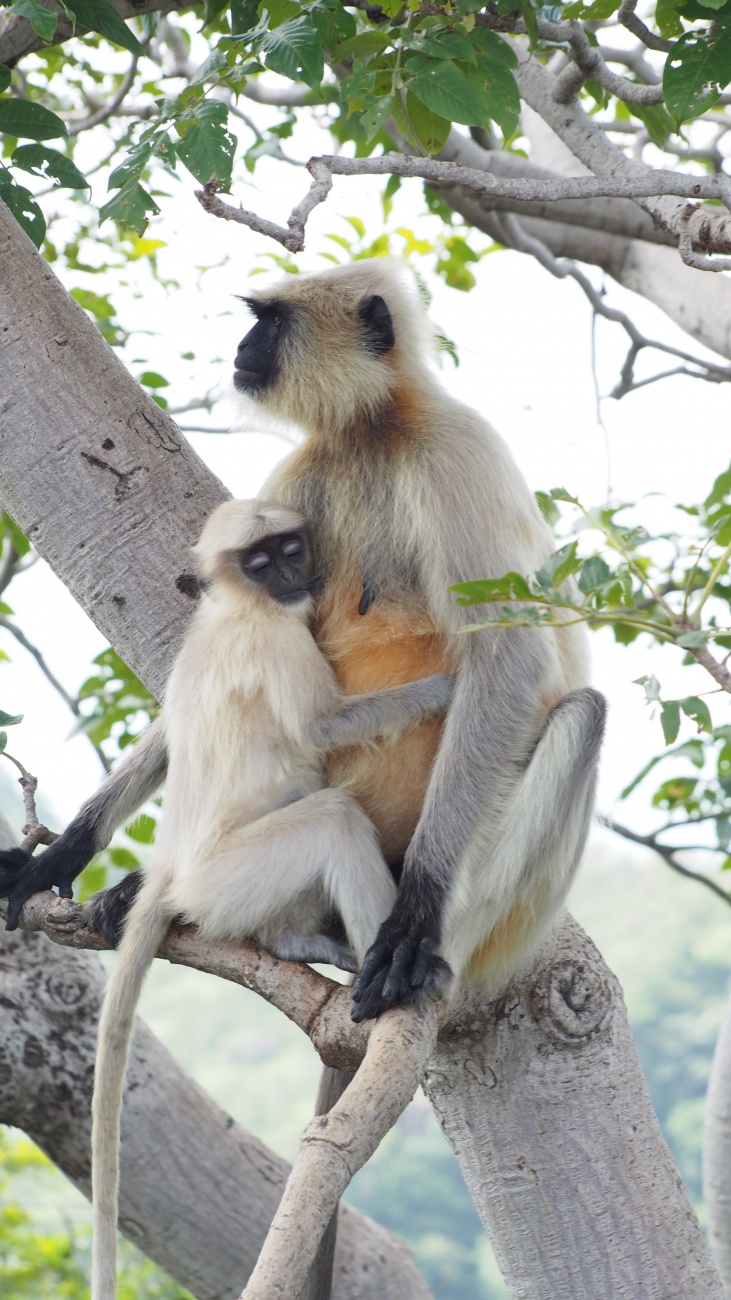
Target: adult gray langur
{"x":410,"y":491}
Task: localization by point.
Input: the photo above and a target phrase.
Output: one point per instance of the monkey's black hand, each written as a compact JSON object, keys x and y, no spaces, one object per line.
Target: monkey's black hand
{"x":106,"y":911}
{"x":22,"y":876}
{"x":401,"y":967}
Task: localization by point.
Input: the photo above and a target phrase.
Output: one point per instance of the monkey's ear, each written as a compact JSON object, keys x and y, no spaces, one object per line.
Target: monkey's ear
{"x":376,"y":318}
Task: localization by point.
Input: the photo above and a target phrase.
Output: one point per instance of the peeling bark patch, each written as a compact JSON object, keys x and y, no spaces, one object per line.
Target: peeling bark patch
{"x":119,"y":601}
{"x":107,"y":445}
{"x":187,"y":585}
{"x":127,"y":480}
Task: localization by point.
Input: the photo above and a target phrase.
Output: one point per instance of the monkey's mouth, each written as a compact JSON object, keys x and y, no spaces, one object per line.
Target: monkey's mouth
{"x":250,"y":381}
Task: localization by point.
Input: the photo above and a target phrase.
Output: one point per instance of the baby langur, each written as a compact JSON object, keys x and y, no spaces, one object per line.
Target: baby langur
{"x":250,"y":842}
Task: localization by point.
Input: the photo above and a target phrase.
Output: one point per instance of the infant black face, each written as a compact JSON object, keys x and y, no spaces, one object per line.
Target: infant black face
{"x":283,"y":563}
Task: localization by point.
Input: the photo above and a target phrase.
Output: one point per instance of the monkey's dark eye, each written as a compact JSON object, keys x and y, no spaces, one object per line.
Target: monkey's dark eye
{"x":277,"y":321}
{"x":292,"y":548}
{"x":259,"y":561}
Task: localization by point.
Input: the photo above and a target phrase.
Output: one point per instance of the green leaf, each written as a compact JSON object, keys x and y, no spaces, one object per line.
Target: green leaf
{"x":131,"y":206}
{"x":447,"y":91}
{"x":594,"y":573}
{"x":363,"y":45}
{"x":3,"y":741}
{"x":151,"y":379}
{"x":670,"y":720}
{"x":208,"y":69}
{"x":559,"y":567}
{"x":44,"y":161}
{"x":696,"y":70}
{"x":29,"y":121}
{"x":429,"y":129}
{"x":18,"y":539}
{"x":10,"y":719}
{"x":691,"y":639}
{"x":563,"y":494}
{"x":657,"y":120}
{"x":592,"y":12}
{"x":550,"y":512}
{"x":4,"y":77}
{"x":483,"y":591}
{"x":652,"y":687}
{"x":697,"y":710}
{"x":142,"y":829}
{"x":42,"y":20}
{"x":206,"y":148}
{"x":123,"y":858}
{"x":244,"y":16}
{"x":375,"y":115}
{"x":692,"y":749}
{"x":720,"y":490}
{"x":668,"y":19}
{"x":26,"y":211}
{"x":450,"y":45}
{"x":211,"y":10}
{"x":294,"y":50}
{"x":99,"y":16}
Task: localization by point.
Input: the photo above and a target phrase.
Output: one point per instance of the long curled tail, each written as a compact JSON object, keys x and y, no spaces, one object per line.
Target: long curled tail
{"x":146,"y":927}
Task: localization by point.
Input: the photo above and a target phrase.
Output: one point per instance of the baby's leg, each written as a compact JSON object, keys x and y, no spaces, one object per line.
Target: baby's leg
{"x":253,"y":880}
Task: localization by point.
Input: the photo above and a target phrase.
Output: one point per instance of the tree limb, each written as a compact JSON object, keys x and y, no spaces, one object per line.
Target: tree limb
{"x":336,"y":1145}
{"x":17,"y":37}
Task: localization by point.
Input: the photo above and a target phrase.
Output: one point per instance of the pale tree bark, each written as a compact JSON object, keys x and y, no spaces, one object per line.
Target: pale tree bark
{"x":197,"y":1191}
{"x":540,"y":1094}
{"x":717,"y":1153}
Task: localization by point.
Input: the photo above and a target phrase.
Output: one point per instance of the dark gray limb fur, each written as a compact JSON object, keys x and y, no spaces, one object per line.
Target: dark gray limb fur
{"x":365,"y":717}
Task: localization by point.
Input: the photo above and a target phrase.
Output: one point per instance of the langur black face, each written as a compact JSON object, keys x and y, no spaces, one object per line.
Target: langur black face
{"x":282,"y":563}
{"x":259,"y":354}
{"x":257,"y":357}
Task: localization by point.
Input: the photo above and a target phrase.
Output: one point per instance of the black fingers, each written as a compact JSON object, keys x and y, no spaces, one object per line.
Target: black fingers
{"x":401,"y":968}
{"x":32,"y":878}
{"x":106,"y":912}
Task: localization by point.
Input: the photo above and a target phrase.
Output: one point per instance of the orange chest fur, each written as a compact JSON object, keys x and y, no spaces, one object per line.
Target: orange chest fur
{"x":386,"y":646}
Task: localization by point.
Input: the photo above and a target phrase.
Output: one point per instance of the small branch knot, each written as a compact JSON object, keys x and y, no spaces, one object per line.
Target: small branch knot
{"x":571,"y":1000}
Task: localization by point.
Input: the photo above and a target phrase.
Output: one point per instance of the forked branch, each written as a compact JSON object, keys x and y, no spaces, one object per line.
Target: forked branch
{"x":640,"y":185}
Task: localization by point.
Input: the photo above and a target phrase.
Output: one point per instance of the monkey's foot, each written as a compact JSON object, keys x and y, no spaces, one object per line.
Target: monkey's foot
{"x":400,"y":968}
{"x":106,"y":911}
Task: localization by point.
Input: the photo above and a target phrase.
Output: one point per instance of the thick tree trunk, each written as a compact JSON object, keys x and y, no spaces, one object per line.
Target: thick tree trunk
{"x":540,"y":1095}
{"x":544,"y":1104}
{"x":97,"y":476}
{"x":197,"y":1191}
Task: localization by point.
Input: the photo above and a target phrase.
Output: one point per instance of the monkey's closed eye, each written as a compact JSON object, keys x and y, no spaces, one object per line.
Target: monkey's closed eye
{"x":292,"y":548}
{"x":259,"y":561}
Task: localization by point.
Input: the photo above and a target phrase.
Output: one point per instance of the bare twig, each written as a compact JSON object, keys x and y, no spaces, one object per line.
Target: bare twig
{"x":516,"y":237}
{"x":336,"y":1145}
{"x":69,"y":700}
{"x":668,"y":855}
{"x":635,"y":25}
{"x":109,"y":110}
{"x":642,"y":184}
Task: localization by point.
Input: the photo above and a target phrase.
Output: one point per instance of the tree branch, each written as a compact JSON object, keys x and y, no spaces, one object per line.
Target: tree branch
{"x":336,"y":1145}
{"x":108,"y":110}
{"x":667,"y":854}
{"x":17,"y":37}
{"x":644,"y":182}
{"x":515,"y":237}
